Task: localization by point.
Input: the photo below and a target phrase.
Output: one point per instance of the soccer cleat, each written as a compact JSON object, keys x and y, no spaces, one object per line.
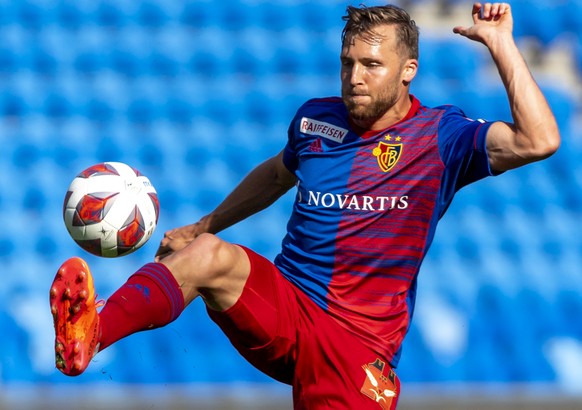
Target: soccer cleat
{"x":74,"y":310}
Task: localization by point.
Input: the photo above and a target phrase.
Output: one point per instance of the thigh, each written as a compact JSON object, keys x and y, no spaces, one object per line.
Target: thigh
{"x":283,"y":333}
{"x":335,"y":370}
{"x":261,"y":325}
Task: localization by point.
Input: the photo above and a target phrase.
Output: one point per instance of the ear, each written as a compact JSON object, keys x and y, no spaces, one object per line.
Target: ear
{"x":409,"y":69}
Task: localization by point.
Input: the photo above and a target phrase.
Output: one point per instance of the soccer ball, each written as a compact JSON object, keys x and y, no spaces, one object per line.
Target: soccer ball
{"x":111,"y":209}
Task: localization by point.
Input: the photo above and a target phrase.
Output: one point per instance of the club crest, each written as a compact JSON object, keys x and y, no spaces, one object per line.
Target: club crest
{"x":387,"y":154}
{"x":378,"y":386}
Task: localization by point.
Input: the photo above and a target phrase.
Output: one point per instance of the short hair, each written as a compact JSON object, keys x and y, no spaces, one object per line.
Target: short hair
{"x":361,"y":22}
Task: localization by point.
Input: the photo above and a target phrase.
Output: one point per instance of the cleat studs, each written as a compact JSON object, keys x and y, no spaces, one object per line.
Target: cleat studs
{"x":81,"y":277}
{"x":75,"y":309}
{"x":83,"y":294}
{"x":67,"y":293}
{"x":54,"y":292}
{"x":54,"y":310}
{"x":77,"y":365}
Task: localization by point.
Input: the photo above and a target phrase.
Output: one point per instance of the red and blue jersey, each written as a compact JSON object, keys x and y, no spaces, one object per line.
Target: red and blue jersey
{"x":367,"y":207}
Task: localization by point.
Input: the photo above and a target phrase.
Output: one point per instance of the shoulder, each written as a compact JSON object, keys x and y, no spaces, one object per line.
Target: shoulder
{"x":420,"y":113}
{"x":454,"y":113}
{"x":446,"y":116}
{"x":446,"y":110}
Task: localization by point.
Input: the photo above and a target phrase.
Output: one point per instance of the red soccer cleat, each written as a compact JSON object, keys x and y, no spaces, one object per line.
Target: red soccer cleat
{"x":74,"y":310}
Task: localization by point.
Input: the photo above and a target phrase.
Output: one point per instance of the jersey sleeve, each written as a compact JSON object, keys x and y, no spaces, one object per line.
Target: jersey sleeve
{"x":462,"y":146}
{"x":290,"y":152}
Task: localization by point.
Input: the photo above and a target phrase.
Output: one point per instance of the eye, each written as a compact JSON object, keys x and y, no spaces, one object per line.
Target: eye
{"x":373,"y":64}
{"x":345,"y":62}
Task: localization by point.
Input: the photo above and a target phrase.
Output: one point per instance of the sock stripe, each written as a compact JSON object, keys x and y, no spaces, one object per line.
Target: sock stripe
{"x":162,"y":275}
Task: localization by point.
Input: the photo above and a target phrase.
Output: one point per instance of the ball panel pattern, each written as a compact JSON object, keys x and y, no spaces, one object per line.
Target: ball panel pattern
{"x":111,"y":209}
{"x":93,"y":208}
{"x":156,"y":202}
{"x":99,"y":169}
{"x":132,"y":231}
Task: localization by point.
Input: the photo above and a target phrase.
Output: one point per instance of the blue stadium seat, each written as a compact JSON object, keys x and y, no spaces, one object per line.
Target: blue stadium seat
{"x":572,"y":17}
{"x":151,"y":15}
{"x":12,"y":104}
{"x":141,"y":111}
{"x":195,"y":15}
{"x":30,"y":14}
{"x":126,"y":62}
{"x":542,"y":20}
{"x":57,"y":106}
{"x":89,"y":62}
{"x":321,"y":16}
{"x":236,"y":16}
{"x":257,"y":48}
{"x":275,"y":17}
{"x":569,"y":310}
{"x":8,"y":14}
{"x":71,"y":15}
{"x":9,"y":61}
{"x":563,"y":104}
{"x":417,"y":363}
{"x":43,"y":62}
{"x":435,"y":57}
{"x":16,"y":362}
{"x":111,"y":15}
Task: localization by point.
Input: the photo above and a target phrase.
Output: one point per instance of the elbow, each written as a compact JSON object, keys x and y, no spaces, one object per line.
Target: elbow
{"x":545,"y":145}
{"x":550,"y":146}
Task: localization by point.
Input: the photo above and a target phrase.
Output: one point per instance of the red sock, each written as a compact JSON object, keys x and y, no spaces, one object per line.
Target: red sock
{"x":149,"y":299}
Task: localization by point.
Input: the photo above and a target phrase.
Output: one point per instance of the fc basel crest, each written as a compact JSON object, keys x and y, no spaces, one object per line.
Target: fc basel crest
{"x":387,"y":154}
{"x":378,"y":385}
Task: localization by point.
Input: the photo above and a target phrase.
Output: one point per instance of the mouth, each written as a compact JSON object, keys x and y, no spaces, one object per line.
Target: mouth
{"x":358,"y":98}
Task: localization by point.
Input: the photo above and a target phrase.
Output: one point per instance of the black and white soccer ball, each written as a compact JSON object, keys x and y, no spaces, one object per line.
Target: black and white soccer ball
{"x":111,"y":209}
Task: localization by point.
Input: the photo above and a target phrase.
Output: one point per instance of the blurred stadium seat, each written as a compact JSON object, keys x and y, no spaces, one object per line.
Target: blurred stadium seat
{"x":196,"y":94}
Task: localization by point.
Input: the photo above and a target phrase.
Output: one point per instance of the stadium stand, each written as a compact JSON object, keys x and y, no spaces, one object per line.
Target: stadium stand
{"x":159,"y":84}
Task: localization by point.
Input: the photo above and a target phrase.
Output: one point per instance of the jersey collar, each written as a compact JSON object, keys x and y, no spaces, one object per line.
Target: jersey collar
{"x":414,"y":108}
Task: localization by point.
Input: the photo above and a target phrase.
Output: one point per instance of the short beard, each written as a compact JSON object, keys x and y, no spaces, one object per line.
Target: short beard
{"x":373,"y":112}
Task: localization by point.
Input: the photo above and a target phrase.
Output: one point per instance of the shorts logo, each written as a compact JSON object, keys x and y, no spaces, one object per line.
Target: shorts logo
{"x":387,"y":154}
{"x":377,"y":386}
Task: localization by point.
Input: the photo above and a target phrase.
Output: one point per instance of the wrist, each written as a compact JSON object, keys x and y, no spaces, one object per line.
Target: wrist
{"x":206,"y":224}
{"x":501,"y":44}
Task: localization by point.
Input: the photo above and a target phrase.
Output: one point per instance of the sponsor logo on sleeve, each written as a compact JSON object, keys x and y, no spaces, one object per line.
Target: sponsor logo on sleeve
{"x":323,"y":129}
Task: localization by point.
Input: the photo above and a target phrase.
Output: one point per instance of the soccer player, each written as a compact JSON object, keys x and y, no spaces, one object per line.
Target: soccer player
{"x":374,"y":171}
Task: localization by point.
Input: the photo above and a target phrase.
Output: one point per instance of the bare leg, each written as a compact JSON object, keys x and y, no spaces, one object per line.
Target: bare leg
{"x":212,"y":268}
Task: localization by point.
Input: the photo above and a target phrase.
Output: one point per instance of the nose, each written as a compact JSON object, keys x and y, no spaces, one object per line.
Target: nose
{"x":357,"y":74}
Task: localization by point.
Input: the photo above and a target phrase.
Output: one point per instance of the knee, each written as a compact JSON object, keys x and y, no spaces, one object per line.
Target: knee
{"x":204,"y":260}
{"x":209,"y":251}
{"x":210,"y":267}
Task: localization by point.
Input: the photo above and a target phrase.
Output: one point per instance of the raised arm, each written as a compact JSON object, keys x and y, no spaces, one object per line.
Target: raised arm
{"x":259,"y":189}
{"x":534,"y":133}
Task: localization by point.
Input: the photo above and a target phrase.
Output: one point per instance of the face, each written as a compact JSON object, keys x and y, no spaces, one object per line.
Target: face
{"x":372,"y":75}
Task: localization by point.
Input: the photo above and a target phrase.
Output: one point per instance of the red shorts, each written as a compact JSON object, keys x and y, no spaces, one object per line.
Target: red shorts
{"x":283,"y":333}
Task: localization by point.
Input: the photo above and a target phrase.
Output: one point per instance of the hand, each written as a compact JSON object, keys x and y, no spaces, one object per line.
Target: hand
{"x":178,"y":238}
{"x":489,"y":20}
